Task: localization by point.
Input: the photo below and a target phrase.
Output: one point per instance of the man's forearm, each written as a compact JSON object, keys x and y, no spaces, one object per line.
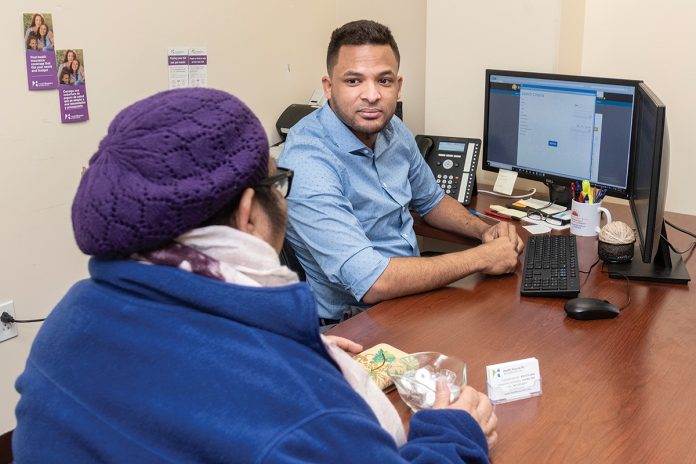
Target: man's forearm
{"x":451,"y":216}
{"x":406,"y":276}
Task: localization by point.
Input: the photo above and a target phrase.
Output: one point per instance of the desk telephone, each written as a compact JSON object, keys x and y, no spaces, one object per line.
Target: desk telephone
{"x":453,"y":160}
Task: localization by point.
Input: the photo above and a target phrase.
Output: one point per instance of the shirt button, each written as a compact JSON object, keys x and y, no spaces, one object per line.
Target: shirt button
{"x":384,"y":185}
{"x":404,"y":235}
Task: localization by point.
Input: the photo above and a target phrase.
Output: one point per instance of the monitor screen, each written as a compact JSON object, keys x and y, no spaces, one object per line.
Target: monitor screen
{"x":557,"y":128}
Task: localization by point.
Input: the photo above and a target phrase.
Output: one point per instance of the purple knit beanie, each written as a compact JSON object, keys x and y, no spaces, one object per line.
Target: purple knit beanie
{"x":168,"y":163}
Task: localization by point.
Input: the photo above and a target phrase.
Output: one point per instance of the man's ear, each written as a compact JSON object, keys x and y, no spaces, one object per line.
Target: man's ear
{"x":399,"y":83}
{"x":242,"y":215}
{"x":326,"y":84}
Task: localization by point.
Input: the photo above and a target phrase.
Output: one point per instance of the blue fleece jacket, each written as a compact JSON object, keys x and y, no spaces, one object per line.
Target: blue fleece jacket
{"x":152,"y":364}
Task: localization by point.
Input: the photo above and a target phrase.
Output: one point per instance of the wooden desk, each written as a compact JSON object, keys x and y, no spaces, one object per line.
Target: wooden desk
{"x":620,"y":390}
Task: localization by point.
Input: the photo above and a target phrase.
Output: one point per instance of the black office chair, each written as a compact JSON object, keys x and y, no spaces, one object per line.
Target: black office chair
{"x":288,"y":258}
{"x":6,"y":448}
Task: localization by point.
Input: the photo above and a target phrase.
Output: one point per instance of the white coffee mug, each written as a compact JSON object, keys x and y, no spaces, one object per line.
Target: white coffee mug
{"x":585,"y":218}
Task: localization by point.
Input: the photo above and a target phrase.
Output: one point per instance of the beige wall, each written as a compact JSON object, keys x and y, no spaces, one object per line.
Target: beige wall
{"x":655,"y":42}
{"x":571,"y":33}
{"x":648,"y":40}
{"x":464,"y":38}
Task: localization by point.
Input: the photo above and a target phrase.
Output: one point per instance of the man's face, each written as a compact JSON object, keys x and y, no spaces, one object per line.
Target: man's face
{"x":363,"y":88}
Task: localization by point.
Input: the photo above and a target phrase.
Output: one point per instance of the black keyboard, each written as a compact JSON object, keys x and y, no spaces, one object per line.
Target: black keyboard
{"x":551,"y":267}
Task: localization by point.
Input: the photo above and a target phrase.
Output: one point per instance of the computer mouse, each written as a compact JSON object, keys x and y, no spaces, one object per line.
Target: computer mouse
{"x":590,"y":308}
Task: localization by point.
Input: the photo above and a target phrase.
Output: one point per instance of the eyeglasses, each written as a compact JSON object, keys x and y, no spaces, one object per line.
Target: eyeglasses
{"x":282,"y":181}
{"x":537,"y":215}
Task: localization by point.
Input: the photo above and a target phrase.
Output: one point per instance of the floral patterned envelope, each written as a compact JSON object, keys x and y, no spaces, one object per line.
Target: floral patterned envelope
{"x":376,"y":361}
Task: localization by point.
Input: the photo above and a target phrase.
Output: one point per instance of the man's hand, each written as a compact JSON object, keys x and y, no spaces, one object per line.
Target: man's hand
{"x":475,"y":403}
{"x":346,"y":345}
{"x":503,"y":229}
{"x":500,"y":248}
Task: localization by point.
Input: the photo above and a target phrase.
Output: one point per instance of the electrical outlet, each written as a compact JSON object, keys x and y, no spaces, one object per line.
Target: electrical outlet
{"x":7,"y":330}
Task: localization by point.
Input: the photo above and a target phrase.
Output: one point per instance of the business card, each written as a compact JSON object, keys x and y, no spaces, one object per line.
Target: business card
{"x":514,"y":380}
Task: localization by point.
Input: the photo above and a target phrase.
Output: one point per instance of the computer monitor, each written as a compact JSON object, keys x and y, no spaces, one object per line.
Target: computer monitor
{"x":653,"y":259}
{"x":557,"y":129}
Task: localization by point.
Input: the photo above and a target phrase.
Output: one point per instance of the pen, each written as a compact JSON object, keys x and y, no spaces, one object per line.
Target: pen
{"x":498,"y":215}
{"x":602,"y":193}
{"x":476,"y":213}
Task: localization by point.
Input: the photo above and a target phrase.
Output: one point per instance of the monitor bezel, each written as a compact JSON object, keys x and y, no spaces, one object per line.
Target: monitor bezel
{"x":656,"y":261}
{"x":658,"y":180}
{"x":550,"y":179}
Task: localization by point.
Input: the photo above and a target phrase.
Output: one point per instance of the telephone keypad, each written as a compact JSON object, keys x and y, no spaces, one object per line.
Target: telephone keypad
{"x":447,"y":156}
{"x":447,"y":182}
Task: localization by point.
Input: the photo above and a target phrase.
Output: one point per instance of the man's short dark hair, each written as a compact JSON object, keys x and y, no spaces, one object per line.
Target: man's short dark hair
{"x":362,"y":32}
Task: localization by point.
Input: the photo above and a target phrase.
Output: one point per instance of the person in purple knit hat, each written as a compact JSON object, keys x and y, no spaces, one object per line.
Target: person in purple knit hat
{"x":189,"y":341}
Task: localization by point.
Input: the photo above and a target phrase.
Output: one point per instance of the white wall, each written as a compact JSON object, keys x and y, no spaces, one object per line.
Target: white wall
{"x":655,"y":42}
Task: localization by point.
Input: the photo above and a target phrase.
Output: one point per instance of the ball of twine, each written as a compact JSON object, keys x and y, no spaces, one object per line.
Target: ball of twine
{"x":617,"y":233}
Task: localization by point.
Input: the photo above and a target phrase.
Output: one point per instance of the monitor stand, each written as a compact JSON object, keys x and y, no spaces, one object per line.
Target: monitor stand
{"x":666,"y":267}
{"x":559,"y":194}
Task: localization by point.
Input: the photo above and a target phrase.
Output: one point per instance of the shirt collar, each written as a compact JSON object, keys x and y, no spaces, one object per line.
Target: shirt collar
{"x":342,"y":136}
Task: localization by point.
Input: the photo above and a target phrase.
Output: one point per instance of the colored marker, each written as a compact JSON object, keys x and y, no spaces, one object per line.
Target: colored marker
{"x":476,"y":213}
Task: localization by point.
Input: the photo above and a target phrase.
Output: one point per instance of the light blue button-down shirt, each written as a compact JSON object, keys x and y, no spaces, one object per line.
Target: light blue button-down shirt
{"x":349,"y":205}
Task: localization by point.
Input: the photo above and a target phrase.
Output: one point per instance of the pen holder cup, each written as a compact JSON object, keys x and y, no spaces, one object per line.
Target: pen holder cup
{"x":586,"y":217}
{"x":415,"y":377}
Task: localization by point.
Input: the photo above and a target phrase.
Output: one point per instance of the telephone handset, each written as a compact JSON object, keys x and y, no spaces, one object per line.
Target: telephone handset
{"x":453,"y":161}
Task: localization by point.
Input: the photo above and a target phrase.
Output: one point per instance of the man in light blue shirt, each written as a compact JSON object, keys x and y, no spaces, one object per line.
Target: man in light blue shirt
{"x":358,"y":171}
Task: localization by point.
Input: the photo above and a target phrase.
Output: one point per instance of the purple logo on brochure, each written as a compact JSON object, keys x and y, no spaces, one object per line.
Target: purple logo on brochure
{"x":73,"y":103}
{"x":41,"y":70}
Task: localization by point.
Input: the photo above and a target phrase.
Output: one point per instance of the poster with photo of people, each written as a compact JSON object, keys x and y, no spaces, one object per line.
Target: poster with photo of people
{"x":39,"y":43}
{"x":71,"y":85}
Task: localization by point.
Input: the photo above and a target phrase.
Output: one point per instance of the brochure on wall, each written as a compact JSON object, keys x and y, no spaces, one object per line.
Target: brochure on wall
{"x":72,"y":88}
{"x":40,"y":51}
{"x":178,"y":60}
{"x":198,"y":67}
